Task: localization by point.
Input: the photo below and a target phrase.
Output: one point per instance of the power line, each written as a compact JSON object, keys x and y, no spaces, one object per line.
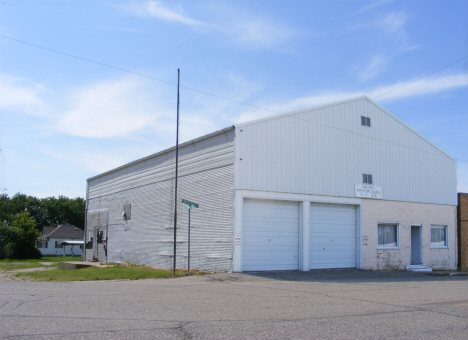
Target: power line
{"x":195,"y":90}
{"x":411,"y":82}
{"x":132,"y":72}
{"x":229,"y":99}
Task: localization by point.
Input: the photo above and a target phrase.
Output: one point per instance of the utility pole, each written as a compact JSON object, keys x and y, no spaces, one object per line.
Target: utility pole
{"x":176,"y":174}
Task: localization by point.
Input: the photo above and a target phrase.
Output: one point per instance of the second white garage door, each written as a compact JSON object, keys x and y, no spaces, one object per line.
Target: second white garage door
{"x":332,"y":236}
{"x":270,"y":235}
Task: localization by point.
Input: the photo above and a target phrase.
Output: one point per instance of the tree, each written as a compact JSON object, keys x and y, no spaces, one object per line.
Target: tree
{"x":20,"y":237}
{"x":46,"y":212}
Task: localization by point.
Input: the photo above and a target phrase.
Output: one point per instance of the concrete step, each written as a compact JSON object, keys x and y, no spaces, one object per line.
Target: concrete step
{"x":418,"y":268}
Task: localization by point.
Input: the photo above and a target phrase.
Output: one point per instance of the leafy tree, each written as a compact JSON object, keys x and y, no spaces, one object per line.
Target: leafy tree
{"x":46,"y":212}
{"x":20,"y":237}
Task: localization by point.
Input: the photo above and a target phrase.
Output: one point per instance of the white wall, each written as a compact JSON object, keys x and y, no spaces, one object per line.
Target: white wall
{"x":407,"y":214}
{"x":325,"y":151}
{"x":52,"y":251}
{"x":206,"y":176}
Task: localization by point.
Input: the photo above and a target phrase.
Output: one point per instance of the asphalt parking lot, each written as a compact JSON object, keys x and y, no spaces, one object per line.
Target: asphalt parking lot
{"x":335,"y":304}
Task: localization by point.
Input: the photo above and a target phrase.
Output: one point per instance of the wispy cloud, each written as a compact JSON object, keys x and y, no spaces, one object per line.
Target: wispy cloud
{"x":388,"y":33}
{"x":108,"y":109}
{"x":394,"y":21}
{"x":245,"y":28}
{"x":22,"y":95}
{"x":419,"y":88}
{"x":258,"y":32}
{"x":374,"y":68}
{"x":155,"y":9}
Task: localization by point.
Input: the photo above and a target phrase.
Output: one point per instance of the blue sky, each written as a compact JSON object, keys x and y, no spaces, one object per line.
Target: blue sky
{"x":67,"y":117}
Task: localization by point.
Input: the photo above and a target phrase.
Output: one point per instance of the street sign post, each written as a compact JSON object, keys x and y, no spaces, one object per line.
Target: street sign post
{"x":189,"y":206}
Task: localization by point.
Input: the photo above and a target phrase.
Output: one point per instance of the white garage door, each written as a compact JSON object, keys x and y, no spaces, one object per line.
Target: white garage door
{"x":270,"y":235}
{"x":332,"y":236}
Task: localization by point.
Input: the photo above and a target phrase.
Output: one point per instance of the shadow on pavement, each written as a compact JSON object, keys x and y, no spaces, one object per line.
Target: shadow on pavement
{"x":353,"y":276}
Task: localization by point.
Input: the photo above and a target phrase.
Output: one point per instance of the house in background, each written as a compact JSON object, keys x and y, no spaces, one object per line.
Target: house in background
{"x":63,"y":240}
{"x":343,"y":185}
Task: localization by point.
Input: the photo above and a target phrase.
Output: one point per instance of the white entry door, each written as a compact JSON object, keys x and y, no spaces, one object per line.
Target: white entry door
{"x":270,"y":235}
{"x":332,"y":236}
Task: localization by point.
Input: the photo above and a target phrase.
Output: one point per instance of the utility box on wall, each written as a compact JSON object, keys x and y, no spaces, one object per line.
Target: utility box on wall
{"x":463,"y":231}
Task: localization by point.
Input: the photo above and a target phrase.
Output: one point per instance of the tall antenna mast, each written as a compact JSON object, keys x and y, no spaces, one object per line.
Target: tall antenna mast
{"x":176,"y":169}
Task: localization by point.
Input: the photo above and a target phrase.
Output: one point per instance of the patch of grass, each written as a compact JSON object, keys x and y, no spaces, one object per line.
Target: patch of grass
{"x":116,"y":272}
{"x":7,"y":264}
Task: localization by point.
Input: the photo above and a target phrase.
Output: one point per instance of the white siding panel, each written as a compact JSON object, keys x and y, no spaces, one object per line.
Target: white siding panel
{"x":270,"y":235}
{"x":206,"y":170}
{"x":325,"y":151}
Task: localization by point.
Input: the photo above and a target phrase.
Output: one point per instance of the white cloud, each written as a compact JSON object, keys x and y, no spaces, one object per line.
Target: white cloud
{"x":418,"y":88}
{"x":394,"y":22}
{"x":163,"y":12}
{"x":244,"y":28}
{"x":109,"y":109}
{"x":22,"y":95}
{"x":258,"y":32}
{"x":375,"y":67}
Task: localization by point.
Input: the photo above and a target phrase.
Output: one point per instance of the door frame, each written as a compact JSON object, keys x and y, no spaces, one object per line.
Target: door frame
{"x":419,"y":236}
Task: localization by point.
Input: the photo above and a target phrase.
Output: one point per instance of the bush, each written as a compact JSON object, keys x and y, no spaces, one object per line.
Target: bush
{"x":20,"y":238}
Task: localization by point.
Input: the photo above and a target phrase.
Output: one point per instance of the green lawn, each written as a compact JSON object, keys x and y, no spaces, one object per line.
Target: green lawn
{"x":116,"y":272}
{"x":6,"y":264}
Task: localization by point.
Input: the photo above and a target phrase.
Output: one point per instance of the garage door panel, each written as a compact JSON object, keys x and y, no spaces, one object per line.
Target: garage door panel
{"x":269,"y":242}
{"x":338,"y":230}
{"x":334,"y":242}
{"x":270,"y":235}
{"x":285,"y":256}
{"x":332,"y":236}
{"x":273,"y":226}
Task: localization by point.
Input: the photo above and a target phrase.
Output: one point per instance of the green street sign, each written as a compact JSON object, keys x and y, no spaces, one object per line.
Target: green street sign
{"x":190,"y":204}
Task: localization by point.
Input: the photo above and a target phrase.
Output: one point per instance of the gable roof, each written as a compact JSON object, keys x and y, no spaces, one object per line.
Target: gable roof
{"x":338,"y":103}
{"x":276,"y":116}
{"x":62,"y":231}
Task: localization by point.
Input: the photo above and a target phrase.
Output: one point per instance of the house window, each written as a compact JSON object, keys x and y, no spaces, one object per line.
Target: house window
{"x":41,"y":244}
{"x":366,"y":179}
{"x":58,"y":244}
{"x":439,"y":236}
{"x":388,"y":235}
{"x":365,"y":121}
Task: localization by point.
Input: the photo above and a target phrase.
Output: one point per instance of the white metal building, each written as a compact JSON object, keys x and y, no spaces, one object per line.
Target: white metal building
{"x":344,"y":185}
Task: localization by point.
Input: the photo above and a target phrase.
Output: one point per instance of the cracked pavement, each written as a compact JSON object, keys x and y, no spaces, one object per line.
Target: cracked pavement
{"x":339,"y":304}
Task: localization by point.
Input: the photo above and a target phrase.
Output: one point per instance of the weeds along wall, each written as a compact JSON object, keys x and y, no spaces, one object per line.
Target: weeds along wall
{"x":145,"y":191}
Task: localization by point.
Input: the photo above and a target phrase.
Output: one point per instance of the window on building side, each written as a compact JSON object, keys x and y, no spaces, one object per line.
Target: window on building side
{"x":58,"y":244}
{"x":365,"y":121}
{"x":388,"y":235}
{"x":41,"y":244}
{"x":439,"y":236}
{"x":366,"y":179}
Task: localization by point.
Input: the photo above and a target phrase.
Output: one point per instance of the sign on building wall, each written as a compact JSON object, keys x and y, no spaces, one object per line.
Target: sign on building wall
{"x":367,"y":191}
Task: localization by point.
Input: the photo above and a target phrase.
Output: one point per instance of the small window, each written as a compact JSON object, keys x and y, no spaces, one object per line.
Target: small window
{"x":439,"y":236}
{"x":41,"y":244}
{"x":365,"y":121}
{"x":58,"y":244}
{"x":388,"y":235}
{"x":366,"y":179}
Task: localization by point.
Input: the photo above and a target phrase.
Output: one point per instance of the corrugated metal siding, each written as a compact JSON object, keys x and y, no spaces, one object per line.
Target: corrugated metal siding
{"x":206,"y":176}
{"x":325,"y":151}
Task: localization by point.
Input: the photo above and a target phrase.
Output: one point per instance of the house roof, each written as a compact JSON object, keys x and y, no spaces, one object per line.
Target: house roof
{"x":62,"y":231}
